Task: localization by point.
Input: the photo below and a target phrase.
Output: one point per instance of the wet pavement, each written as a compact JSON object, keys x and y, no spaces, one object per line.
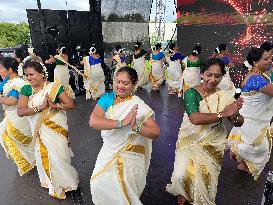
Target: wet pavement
{"x":235,"y":187}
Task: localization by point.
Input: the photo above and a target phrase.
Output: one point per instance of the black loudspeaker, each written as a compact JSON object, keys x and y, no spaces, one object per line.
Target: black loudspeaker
{"x":48,"y":28}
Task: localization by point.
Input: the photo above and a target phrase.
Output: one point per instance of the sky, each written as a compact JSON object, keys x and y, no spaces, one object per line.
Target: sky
{"x":15,"y":10}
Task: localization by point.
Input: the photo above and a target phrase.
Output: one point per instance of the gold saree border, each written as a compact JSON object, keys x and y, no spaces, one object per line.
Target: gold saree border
{"x":56,"y":128}
{"x":188,"y":180}
{"x":17,"y":135}
{"x":23,"y":165}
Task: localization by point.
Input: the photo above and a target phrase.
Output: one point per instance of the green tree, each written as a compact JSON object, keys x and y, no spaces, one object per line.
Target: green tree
{"x":12,"y":34}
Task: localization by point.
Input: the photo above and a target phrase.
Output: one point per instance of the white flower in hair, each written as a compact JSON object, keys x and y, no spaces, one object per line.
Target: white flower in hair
{"x":120,"y":50}
{"x":195,"y":51}
{"x":20,"y":70}
{"x":61,"y":50}
{"x":218,"y":50}
{"x":92,"y":50}
{"x":44,"y":70}
{"x":247,"y":64}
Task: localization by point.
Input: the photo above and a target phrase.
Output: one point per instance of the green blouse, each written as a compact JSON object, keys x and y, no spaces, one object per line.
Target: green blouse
{"x":192,"y":99}
{"x":27,"y":91}
{"x":58,"y":62}
{"x":197,"y":63}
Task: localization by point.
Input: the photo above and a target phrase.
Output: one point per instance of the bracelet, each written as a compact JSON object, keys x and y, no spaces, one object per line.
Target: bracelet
{"x":219,"y":115}
{"x":36,"y":109}
{"x":60,"y":106}
{"x":119,"y":124}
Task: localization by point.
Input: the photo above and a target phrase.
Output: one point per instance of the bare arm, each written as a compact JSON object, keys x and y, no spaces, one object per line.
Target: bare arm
{"x":198,"y":118}
{"x":50,"y":60}
{"x":66,"y":103}
{"x":9,"y":101}
{"x":24,"y":110}
{"x":99,"y":122}
{"x":150,"y":129}
{"x":268,"y":90}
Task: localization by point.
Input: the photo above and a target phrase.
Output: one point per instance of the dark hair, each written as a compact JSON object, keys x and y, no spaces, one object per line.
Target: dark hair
{"x":137,"y":44}
{"x":9,"y":62}
{"x":220,"y":48}
{"x":267,"y":46}
{"x":20,"y":53}
{"x":196,"y":50}
{"x":33,"y":64}
{"x":117,"y":47}
{"x":255,"y":54}
{"x":172,"y":46}
{"x":64,"y":50}
{"x":211,"y":62}
{"x":131,"y":73}
{"x":158,"y":46}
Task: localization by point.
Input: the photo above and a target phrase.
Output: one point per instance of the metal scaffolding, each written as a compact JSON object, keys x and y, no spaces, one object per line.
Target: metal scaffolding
{"x":160,"y":18}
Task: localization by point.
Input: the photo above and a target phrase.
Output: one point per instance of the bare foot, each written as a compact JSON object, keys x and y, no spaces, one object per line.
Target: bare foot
{"x":181,"y":200}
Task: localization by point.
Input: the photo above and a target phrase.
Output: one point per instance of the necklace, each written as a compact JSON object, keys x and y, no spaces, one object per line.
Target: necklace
{"x":262,"y":74}
{"x":118,"y":99}
{"x":36,"y":91}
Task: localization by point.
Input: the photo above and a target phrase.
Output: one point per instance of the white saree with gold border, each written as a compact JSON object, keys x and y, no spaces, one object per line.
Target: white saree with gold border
{"x":199,"y":153}
{"x":191,"y":76}
{"x":157,"y":75}
{"x":61,"y":75}
{"x":119,"y":176}
{"x":15,"y":132}
{"x":53,"y":155}
{"x":119,"y":64}
{"x":94,"y":83}
{"x":252,"y":142}
{"x":140,"y":66}
{"x":174,"y":75}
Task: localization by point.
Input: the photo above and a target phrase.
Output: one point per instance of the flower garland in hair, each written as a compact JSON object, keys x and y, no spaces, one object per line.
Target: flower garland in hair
{"x":120,"y":50}
{"x":92,"y":50}
{"x":247,"y":64}
{"x":195,"y":51}
{"x":44,"y":70}
{"x":61,"y":50}
{"x":218,"y":50}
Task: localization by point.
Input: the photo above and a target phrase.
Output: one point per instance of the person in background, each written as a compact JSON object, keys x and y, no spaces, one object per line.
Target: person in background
{"x":222,"y":53}
{"x":61,"y":71}
{"x":94,"y":81}
{"x":174,"y":70}
{"x":251,"y":144}
{"x":139,"y":64}
{"x":158,"y":69}
{"x":15,"y":133}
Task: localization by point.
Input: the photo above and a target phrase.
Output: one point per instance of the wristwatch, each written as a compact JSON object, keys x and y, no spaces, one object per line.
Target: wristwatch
{"x":138,"y":128}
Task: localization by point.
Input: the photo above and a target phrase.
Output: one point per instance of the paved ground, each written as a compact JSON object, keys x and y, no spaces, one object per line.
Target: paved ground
{"x":235,"y":188}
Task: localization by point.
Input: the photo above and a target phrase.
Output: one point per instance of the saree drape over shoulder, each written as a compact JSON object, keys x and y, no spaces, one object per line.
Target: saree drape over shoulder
{"x":119,"y":176}
{"x":253,"y":141}
{"x":53,"y":155}
{"x":140,"y":66}
{"x":15,"y":132}
{"x":199,"y":153}
{"x":61,"y":75}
